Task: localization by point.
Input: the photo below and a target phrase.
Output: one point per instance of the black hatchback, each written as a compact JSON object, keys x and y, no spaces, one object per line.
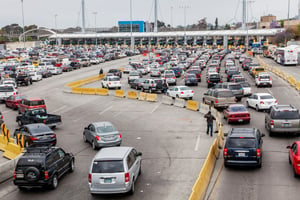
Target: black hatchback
{"x":243,"y":147}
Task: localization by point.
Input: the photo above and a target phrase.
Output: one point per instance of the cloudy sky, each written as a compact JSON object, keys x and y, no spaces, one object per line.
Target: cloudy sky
{"x":41,"y":12}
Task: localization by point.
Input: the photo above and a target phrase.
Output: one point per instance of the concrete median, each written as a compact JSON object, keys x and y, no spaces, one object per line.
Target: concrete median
{"x":167,"y":100}
{"x":76,"y":90}
{"x":204,"y":108}
{"x":120,"y":93}
{"x":192,"y":105}
{"x":151,"y":97}
{"x":12,"y":151}
{"x":132,"y":95}
{"x":90,"y":91}
{"x":3,"y":143}
{"x":179,"y":103}
{"x":142,"y":96}
{"x":101,"y":91}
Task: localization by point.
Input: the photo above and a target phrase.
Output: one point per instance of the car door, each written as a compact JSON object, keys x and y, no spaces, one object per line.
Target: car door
{"x":58,"y":163}
{"x":226,"y":112}
{"x":132,"y":166}
{"x":176,"y":92}
{"x":9,"y":101}
{"x":63,"y":161}
{"x":293,"y":153}
{"x":88,"y":133}
{"x":104,"y":82}
{"x":146,"y":84}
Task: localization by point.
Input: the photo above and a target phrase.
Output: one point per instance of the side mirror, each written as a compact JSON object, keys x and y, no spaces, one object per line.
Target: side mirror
{"x":85,"y":128}
{"x":263,"y":135}
{"x":225,"y":134}
{"x":139,"y":154}
{"x":288,"y":147}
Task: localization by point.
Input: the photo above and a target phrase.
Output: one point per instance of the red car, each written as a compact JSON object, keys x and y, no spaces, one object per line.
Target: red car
{"x":237,"y":113}
{"x":294,"y":157}
{"x":14,"y":100}
{"x":31,"y":103}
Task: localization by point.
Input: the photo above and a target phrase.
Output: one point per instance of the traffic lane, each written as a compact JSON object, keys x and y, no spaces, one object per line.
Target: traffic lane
{"x":172,"y":131}
{"x":275,"y":179}
{"x":291,"y":70}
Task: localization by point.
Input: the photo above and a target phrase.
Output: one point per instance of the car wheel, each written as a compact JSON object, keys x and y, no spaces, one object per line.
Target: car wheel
{"x":72,"y":166}
{"x":27,"y":83}
{"x":102,"y":85}
{"x":196,"y":84}
{"x":259,"y":165}
{"x":177,"y":96}
{"x":54,"y":182}
{"x":295,"y":174}
{"x":140,"y":171}
{"x":270,"y":133}
{"x":22,"y":188}
{"x":247,"y":104}
{"x":6,"y":105}
{"x":20,"y":123}
{"x":150,"y":90}
{"x":256,"y":108}
{"x":131,"y":192}
{"x":225,"y":165}
{"x":84,"y":138}
{"x":94,"y":145}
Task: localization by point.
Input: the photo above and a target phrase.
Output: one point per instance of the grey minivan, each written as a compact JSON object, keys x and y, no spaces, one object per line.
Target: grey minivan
{"x":102,"y":134}
{"x":114,"y":170}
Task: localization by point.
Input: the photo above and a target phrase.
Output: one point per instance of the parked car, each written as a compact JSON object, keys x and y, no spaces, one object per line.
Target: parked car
{"x":243,"y":147}
{"x":219,"y":98}
{"x":38,"y":133}
{"x":283,"y":119}
{"x":42,"y":166}
{"x":114,"y":170}
{"x":263,"y":79}
{"x":181,"y":92}
{"x":261,"y":101}
{"x":102,"y":134}
{"x":30,"y":103}
{"x":111,"y":82}
{"x":13,"y":101}
{"x":190,"y":79}
{"x":294,"y":157}
{"x":39,"y":115}
{"x":237,"y":113}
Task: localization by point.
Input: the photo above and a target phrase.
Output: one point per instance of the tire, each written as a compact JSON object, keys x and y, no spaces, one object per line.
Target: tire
{"x":177,"y":96}
{"x":256,"y":108}
{"x":84,"y":138}
{"x":259,"y":165}
{"x":22,"y":188}
{"x":27,"y":83}
{"x":225,"y":165}
{"x":54,"y":182}
{"x":6,"y":105}
{"x":32,"y":174}
{"x":247,"y":104}
{"x":295,"y":174}
{"x":102,"y":85}
{"x":19,"y":122}
{"x":131,"y":191}
{"x":140,"y":171}
{"x":94,"y":146}
{"x":150,"y":90}
{"x":72,"y":166}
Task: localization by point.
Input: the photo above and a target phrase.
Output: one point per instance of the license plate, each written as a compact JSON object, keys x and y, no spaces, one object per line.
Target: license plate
{"x":240,"y":120}
{"x":286,"y":125}
{"x":107,"y":180}
{"x":242,"y":155}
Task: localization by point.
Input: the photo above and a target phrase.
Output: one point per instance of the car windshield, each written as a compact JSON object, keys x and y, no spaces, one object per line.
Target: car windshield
{"x":224,"y":94}
{"x":245,"y":84}
{"x":235,"y":87}
{"x":108,"y":166}
{"x":36,"y":130}
{"x":105,"y":129}
{"x":266,"y":97}
{"x":241,"y":143}
{"x":184,"y":88}
{"x":6,"y":89}
{"x":37,"y":103}
{"x":114,"y":79}
{"x":238,"y":109}
{"x":286,"y":115}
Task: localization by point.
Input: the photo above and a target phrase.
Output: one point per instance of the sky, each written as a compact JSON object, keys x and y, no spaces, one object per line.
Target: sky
{"x":109,"y":12}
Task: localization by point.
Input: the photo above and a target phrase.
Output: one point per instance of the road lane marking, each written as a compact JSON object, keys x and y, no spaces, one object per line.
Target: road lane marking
{"x":197,"y":143}
{"x":154,"y":109}
{"x":7,"y":111}
{"x":107,"y":109}
{"x":59,"y":109}
{"x":117,"y":114}
{"x":270,"y":91}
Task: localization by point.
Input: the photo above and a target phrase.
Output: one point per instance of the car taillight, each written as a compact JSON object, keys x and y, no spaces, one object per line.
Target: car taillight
{"x":44,"y":121}
{"x":217,"y":101}
{"x":192,"y":91}
{"x":261,"y":102}
{"x":269,"y":79}
{"x":235,"y":100}
{"x":98,"y":138}
{"x":221,"y":81}
{"x":271,"y":122}
{"x":232,"y":116}
{"x":1,"y":116}
{"x":109,"y":83}
{"x":33,"y":138}
{"x":120,"y":136}
{"x":208,"y":81}
{"x":258,"y":153}
{"x":90,"y":178}
{"x":275,"y":101}
{"x":53,"y":136}
{"x":258,"y":79}
{"x":46,"y":175}
{"x":227,"y":76}
{"x":15,"y":175}
{"x":225,"y":152}
{"x":181,"y":92}
{"x":247,"y":115}
{"x":126,"y":177}
{"x":173,"y":77}
{"x":165,"y":77}
{"x":14,"y":93}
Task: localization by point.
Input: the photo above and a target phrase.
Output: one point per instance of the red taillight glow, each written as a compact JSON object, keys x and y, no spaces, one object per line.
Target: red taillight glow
{"x":258,"y":153}
{"x":261,"y":102}
{"x":271,"y":122}
{"x":275,"y":101}
{"x":173,"y":77}
{"x":53,"y":136}
{"x":181,"y":92}
{"x":44,"y":121}
{"x":225,"y":152}
{"x":15,"y":175}
{"x":217,"y":101}
{"x":126,"y":177}
{"x":109,"y":83}
{"x":33,"y":138}
{"x":97,"y":138}
{"x":221,"y":81}
{"x":232,"y":116}
{"x":46,"y":175}
{"x":90,"y":178}
{"x":120,"y":136}
{"x":208,"y":81}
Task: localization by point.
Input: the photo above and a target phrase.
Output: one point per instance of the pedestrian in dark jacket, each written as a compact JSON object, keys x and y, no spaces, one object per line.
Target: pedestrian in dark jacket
{"x":165,"y":86}
{"x":101,"y":71}
{"x":210,"y":122}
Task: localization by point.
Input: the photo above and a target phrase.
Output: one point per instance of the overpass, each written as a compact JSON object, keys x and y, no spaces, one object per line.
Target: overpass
{"x":216,"y":37}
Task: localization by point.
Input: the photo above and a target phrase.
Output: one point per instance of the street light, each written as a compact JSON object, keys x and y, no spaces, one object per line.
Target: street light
{"x":131,"y":38}
{"x":95,"y":13}
{"x":184,"y":12}
{"x":55,"y":24}
{"x":23,"y":23}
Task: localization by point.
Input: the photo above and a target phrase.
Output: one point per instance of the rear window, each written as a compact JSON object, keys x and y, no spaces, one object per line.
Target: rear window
{"x":266,"y":97}
{"x":235,"y":87}
{"x":109,"y":166}
{"x":29,"y":162}
{"x":259,"y":69}
{"x":286,"y":115}
{"x":225,"y":94}
{"x":264,"y":77}
{"x":6,"y":89}
{"x":241,"y":143}
{"x":114,"y":79}
{"x":214,"y":76}
{"x":238,"y":109}
{"x":245,"y":84}
{"x":184,"y":88}
{"x":105,"y":129}
{"x":36,"y":103}
{"x":39,"y":130}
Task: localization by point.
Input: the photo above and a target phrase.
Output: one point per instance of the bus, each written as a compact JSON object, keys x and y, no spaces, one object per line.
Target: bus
{"x":286,"y":56}
{"x":256,"y":47}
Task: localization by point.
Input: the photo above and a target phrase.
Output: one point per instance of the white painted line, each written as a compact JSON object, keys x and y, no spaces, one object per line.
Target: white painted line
{"x":7,"y":111}
{"x":60,"y":108}
{"x":154,"y":109}
{"x":197,"y":143}
{"x":105,"y":110}
{"x":270,"y":91}
{"x":117,"y":114}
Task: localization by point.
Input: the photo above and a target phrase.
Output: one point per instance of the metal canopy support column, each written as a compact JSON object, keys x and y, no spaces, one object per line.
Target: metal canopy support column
{"x":225,"y":42}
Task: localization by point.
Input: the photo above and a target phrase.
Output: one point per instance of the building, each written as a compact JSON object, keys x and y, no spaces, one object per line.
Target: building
{"x":137,"y":26}
{"x":267,"y":21}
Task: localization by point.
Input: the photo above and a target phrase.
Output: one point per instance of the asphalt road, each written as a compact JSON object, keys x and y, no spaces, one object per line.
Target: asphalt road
{"x":275,"y":179}
{"x":172,"y":140}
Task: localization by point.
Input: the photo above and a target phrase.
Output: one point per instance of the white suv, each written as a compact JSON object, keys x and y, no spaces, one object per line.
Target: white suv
{"x":6,"y":91}
{"x":111,"y":82}
{"x":263,"y":79}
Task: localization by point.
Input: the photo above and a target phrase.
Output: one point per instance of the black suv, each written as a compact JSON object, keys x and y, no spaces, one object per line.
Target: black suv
{"x":23,"y":78}
{"x":116,"y":72}
{"x":42,"y":166}
{"x":213,"y":79}
{"x":243,"y":147}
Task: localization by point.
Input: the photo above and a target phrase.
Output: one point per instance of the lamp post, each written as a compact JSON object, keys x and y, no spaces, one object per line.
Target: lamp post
{"x":184,"y":13}
{"x":23,"y":23}
{"x":95,"y":13}
{"x":131,"y":37}
{"x":55,"y":24}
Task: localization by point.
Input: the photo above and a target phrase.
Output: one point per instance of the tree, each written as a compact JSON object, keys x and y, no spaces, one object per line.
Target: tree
{"x":227,"y":27}
{"x":282,"y":23}
{"x":202,"y":24}
{"x":216,"y":24}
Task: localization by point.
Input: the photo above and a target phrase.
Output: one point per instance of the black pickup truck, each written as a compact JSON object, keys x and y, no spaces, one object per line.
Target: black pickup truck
{"x":39,"y":116}
{"x":23,"y":78}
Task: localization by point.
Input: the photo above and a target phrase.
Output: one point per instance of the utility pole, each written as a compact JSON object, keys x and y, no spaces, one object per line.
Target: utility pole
{"x":23,"y":24}
{"x":155,"y":16}
{"x":171,"y":16}
{"x":95,"y":13}
{"x":55,"y":24}
{"x":184,"y":17}
{"x":244,"y":14}
{"x":288,"y":22}
{"x":83,"y":16}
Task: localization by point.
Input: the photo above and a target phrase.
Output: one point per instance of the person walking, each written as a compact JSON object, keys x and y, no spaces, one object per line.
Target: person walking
{"x":101,"y":71}
{"x":165,"y":86}
{"x":210,"y":122}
